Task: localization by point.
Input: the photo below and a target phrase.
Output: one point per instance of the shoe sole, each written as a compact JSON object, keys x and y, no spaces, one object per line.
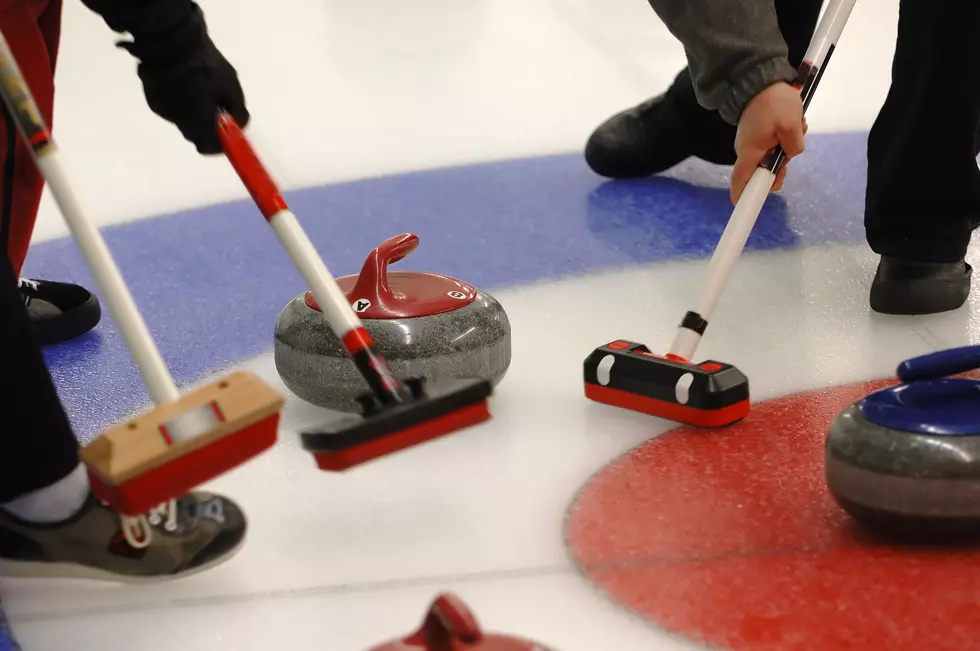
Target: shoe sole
{"x":33,"y":570}
{"x":917,"y":299}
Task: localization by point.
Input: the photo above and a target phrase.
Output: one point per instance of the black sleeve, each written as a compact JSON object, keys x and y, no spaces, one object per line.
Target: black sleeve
{"x":161,"y":29}
{"x":142,"y":17}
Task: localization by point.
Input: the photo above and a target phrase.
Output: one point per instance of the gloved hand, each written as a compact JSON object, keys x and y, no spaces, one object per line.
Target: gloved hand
{"x":186,"y":80}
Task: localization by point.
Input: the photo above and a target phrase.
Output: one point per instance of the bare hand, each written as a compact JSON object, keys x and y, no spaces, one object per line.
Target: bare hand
{"x":773,"y":117}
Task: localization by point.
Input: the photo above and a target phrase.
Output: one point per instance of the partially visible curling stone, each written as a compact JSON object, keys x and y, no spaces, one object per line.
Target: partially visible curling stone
{"x":905,"y":460}
{"x":450,"y":626}
{"x":424,"y":325}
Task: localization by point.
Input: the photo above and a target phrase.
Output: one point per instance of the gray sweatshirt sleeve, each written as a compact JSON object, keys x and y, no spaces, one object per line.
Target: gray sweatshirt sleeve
{"x":734,"y":49}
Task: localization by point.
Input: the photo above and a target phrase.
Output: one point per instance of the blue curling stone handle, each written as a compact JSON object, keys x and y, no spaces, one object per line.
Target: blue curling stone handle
{"x":940,"y":364}
{"x":928,"y":402}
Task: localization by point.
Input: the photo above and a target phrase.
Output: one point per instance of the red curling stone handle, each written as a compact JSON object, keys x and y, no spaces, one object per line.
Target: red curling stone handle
{"x":449,"y":626}
{"x":372,"y":282}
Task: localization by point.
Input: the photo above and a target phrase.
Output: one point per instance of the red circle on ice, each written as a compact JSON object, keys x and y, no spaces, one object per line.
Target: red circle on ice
{"x":731,"y":538}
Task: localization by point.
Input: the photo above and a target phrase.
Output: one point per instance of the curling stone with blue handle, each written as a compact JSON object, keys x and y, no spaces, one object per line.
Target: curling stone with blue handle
{"x":906,"y":459}
{"x":424,"y":325}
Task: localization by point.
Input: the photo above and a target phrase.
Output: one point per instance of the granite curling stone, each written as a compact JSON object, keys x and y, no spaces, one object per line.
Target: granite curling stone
{"x":451,"y":626}
{"x":424,"y":325}
{"x":905,"y":460}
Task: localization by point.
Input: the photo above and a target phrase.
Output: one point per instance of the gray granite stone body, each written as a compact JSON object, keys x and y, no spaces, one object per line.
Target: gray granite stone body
{"x":902,"y":474}
{"x":473,"y":341}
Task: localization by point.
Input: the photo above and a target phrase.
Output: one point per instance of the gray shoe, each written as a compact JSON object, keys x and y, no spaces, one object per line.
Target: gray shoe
{"x":179,"y":538}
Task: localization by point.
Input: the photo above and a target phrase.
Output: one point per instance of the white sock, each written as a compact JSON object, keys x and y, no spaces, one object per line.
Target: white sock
{"x":53,"y":503}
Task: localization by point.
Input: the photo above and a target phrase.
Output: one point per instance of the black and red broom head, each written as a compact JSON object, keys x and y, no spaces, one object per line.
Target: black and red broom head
{"x":627,"y":375}
{"x":383,"y":429}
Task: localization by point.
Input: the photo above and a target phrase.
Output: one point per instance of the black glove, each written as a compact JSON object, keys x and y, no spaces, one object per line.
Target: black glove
{"x":186,"y":80}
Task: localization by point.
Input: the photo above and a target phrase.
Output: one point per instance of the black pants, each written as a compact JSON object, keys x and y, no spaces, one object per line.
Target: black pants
{"x":923,"y":193}
{"x":37,"y":445}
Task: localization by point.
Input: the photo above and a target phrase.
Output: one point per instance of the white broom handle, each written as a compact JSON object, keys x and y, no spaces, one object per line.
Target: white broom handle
{"x":332,"y":301}
{"x":828,"y":31}
{"x":726,"y":255}
{"x":23,"y":108}
{"x":754,"y":196}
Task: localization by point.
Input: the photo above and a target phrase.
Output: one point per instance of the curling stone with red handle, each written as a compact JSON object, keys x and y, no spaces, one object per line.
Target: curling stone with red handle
{"x":424,"y":325}
{"x":450,"y":626}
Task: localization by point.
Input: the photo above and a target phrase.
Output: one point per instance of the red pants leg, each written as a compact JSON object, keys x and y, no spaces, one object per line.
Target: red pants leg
{"x":32,"y":28}
{"x":37,"y":446}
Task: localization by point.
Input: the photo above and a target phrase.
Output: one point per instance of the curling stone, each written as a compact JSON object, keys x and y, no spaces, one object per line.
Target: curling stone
{"x":905,"y":460}
{"x":424,"y":325}
{"x":450,"y":626}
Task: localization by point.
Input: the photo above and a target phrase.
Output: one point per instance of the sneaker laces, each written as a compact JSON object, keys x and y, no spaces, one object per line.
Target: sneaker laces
{"x":139,"y":530}
{"x":28,"y":288}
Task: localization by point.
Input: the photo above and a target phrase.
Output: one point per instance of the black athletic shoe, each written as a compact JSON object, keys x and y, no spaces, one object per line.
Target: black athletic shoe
{"x":904,"y":287}
{"x":660,"y":133}
{"x":59,"y":311}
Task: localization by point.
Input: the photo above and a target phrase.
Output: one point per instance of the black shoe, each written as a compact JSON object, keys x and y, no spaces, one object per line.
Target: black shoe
{"x":59,"y":311}
{"x":660,"y":133}
{"x":905,"y":287}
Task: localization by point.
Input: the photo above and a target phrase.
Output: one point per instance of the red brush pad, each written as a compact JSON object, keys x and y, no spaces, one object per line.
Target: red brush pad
{"x":416,"y":435}
{"x":668,"y":410}
{"x":171,"y":480}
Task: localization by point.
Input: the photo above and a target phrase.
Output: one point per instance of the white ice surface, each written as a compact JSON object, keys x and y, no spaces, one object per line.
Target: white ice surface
{"x":482,"y":511}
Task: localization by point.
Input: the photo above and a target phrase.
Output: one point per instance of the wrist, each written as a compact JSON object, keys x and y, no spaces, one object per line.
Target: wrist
{"x":747,"y":85}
